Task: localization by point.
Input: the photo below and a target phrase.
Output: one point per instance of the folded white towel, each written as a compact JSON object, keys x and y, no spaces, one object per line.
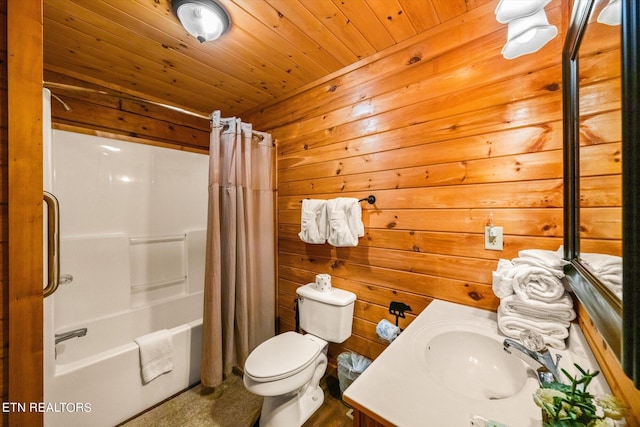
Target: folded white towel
{"x":602,"y":262}
{"x":560,"y":310}
{"x":156,"y":354}
{"x":535,"y":283}
{"x":313,"y":221}
{"x":552,"y":259}
{"x":345,"y":221}
{"x":549,"y":260}
{"x":553,"y":333}
{"x":608,"y":268}
{"x":502,"y":286}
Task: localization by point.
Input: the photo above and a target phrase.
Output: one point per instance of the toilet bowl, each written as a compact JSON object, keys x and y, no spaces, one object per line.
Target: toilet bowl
{"x":286,"y":370}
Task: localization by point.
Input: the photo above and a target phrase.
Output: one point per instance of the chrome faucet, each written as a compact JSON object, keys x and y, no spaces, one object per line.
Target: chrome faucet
{"x":535,"y":353}
{"x":71,"y":334}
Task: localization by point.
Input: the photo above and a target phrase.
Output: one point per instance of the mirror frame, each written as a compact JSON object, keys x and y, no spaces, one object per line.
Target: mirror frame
{"x":618,"y":322}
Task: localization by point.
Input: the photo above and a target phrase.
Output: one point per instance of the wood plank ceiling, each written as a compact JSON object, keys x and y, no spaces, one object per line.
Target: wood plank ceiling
{"x":274,"y":47}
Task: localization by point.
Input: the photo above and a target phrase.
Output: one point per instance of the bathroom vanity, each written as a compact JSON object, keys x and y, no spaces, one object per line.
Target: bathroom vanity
{"x":448,"y":368}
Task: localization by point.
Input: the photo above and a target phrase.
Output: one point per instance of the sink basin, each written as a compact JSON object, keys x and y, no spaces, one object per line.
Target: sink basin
{"x":473,"y":365}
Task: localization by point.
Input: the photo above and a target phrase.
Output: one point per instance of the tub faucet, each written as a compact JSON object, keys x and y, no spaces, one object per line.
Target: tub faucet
{"x":535,"y":353}
{"x":70,"y":334}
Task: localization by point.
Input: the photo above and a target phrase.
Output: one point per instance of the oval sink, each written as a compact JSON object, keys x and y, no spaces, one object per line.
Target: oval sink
{"x":474,"y":365}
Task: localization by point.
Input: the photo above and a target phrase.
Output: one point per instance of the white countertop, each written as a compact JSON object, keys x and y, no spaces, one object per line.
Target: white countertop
{"x":399,"y":388}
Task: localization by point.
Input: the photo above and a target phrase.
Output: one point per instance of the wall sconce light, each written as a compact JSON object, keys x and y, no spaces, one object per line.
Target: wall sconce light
{"x":528,"y":28}
{"x":611,"y":14}
{"x":206,"y":20}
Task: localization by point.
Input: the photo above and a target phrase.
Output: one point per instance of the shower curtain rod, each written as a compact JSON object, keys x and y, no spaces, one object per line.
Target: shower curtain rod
{"x":52,"y":85}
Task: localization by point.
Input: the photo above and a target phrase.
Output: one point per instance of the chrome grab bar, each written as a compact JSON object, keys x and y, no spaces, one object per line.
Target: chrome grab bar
{"x":53,"y":243}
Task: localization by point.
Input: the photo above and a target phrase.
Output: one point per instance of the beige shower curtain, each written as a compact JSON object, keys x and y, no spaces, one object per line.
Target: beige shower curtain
{"x":239,"y":291}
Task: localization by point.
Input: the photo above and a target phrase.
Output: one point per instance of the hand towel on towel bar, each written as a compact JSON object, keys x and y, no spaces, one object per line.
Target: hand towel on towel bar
{"x":345,"y":221}
{"x":313,"y":221}
{"x":156,"y":354}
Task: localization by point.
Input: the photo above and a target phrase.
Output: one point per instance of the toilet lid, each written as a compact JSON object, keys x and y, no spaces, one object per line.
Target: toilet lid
{"x":281,"y":356}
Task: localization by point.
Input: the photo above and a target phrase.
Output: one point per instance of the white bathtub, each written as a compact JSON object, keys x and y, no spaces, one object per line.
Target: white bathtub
{"x":132,"y":235}
{"x":95,"y":380}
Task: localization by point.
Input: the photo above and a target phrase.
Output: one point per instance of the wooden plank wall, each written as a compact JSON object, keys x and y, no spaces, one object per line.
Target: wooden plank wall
{"x":444,"y":132}
{"x":104,"y":112}
{"x":4,"y":215}
{"x":447,"y":134}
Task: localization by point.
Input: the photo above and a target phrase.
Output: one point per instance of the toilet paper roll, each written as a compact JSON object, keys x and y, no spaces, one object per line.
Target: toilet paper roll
{"x":323,"y":282}
{"x":387,"y":330}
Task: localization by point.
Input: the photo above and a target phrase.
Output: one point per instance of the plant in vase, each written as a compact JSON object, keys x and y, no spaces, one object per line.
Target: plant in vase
{"x":571,"y":405}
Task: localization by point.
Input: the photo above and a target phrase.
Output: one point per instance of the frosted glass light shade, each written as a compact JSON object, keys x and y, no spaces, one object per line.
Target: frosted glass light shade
{"x":528,"y":34}
{"x":508,"y":10}
{"x":206,"y":20}
{"x":611,"y":14}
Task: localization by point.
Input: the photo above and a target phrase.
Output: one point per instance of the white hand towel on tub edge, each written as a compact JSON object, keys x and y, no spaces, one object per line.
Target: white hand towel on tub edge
{"x":313,"y":221}
{"x":156,"y":354}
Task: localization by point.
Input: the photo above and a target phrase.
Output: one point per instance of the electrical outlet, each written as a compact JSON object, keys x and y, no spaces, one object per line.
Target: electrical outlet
{"x":493,"y":238}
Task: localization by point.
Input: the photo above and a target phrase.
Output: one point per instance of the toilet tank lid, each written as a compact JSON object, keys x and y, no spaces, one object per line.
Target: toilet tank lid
{"x":338,"y":297}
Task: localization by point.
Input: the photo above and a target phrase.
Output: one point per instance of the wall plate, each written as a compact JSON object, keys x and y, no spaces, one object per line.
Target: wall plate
{"x":493,"y":238}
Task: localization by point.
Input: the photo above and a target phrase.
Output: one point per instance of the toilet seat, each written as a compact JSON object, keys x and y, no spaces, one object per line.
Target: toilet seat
{"x":281,"y":356}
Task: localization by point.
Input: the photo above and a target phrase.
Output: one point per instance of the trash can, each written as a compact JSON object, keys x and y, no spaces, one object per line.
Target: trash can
{"x":350,"y":366}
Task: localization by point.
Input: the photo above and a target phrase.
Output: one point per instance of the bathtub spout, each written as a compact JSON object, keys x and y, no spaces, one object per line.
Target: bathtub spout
{"x":71,"y":334}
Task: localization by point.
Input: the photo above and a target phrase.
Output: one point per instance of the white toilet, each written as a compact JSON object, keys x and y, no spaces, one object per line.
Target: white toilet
{"x":287,"y":368}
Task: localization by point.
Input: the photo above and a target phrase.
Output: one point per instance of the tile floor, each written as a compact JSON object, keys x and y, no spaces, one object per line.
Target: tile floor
{"x":230,"y":405}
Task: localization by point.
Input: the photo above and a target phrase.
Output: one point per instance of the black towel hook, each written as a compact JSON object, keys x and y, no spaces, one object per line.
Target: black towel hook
{"x":371,"y":200}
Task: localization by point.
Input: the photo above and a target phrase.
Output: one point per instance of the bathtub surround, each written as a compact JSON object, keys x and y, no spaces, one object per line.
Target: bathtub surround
{"x":239,"y":287}
{"x":132,"y":231}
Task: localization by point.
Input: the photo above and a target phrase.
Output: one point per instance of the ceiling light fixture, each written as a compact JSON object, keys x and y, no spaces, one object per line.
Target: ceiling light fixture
{"x":611,"y":14}
{"x":205,"y":20}
{"x":528,"y":27}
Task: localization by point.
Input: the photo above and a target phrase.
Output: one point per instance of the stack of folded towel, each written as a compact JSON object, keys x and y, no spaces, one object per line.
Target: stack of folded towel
{"x":608,"y":268}
{"x":533,"y":297}
{"x":336,"y":221}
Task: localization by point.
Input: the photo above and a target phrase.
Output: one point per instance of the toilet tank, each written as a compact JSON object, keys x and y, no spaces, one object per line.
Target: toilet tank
{"x":327,"y":315}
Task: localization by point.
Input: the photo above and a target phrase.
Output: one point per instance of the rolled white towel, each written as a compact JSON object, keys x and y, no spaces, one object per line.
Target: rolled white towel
{"x":560,"y":310}
{"x":156,"y":354}
{"x":313,"y":221}
{"x":536,"y":283}
{"x":553,"y":333}
{"x":502,"y":286}
{"x":549,"y":260}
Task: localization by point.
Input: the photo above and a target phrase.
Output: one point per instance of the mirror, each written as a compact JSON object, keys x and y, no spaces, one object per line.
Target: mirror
{"x":599,"y":215}
{"x":600,"y":109}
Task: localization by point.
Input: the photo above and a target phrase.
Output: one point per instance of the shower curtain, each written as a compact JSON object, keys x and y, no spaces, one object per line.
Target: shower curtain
{"x":239,"y":294}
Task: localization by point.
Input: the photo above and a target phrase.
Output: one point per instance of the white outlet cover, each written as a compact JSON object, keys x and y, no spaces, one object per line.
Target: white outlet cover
{"x":493,"y":238}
